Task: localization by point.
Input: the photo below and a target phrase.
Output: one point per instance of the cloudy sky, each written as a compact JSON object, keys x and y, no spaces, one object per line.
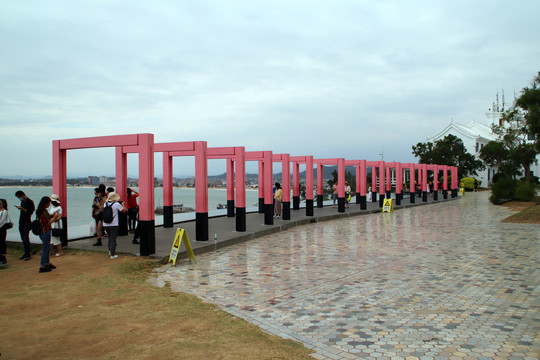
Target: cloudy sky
{"x":324,"y":78}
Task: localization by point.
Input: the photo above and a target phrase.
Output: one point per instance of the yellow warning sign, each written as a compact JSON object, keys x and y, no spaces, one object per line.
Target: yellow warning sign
{"x":181,"y":235}
{"x":387,"y":205}
{"x":461,"y":192}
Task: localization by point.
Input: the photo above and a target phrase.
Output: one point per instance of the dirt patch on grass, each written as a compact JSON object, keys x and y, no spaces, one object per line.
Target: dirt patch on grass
{"x":519,"y":205}
{"x":529,"y":212}
{"x":92,"y":307}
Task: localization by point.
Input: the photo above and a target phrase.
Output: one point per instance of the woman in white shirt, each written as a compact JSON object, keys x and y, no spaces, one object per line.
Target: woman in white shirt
{"x":56,"y":215}
{"x":5,"y":224}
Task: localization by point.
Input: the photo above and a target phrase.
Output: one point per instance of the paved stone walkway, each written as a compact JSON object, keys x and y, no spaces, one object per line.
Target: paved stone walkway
{"x":444,"y":281}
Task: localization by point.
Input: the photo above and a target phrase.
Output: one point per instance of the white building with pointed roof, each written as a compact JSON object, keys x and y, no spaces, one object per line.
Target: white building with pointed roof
{"x":474,"y":136}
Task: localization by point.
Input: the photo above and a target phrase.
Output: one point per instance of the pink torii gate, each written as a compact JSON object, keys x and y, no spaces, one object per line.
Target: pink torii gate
{"x":198,"y":149}
{"x":296,"y":161}
{"x":143,"y":144}
{"x":381,"y":187}
{"x":340,"y":162}
{"x":398,"y":177}
{"x":265,"y":182}
{"x":435,"y":169}
{"x":412,"y":177}
{"x":236,"y":158}
{"x":361,"y":181}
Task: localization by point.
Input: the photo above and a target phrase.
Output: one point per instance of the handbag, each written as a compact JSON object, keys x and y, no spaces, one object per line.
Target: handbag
{"x":56,"y":232}
{"x":7,"y":226}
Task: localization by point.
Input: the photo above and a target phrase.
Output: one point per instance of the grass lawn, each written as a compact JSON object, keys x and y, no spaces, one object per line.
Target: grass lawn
{"x":92,"y":307}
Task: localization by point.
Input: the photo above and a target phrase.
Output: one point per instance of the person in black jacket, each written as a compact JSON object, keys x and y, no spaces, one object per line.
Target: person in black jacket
{"x":27,"y":209}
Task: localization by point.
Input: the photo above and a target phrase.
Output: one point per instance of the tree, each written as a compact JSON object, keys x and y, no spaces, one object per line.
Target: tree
{"x":448,"y":151}
{"x":511,"y":153}
{"x":529,"y":104}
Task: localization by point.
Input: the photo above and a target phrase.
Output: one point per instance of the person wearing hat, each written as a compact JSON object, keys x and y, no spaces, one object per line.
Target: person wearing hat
{"x":112,"y":227}
{"x":56,"y":216}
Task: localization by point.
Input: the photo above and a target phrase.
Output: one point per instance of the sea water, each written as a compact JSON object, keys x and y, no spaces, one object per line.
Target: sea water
{"x":79,"y":205}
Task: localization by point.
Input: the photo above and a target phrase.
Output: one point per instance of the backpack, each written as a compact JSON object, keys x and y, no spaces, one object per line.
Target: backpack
{"x":37,"y":229}
{"x":108,"y":213}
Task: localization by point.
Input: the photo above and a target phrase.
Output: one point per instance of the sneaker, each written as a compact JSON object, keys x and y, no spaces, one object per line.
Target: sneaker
{"x":50,"y":266}
{"x":25,"y":257}
{"x":114,"y":257}
{"x":44,"y":269}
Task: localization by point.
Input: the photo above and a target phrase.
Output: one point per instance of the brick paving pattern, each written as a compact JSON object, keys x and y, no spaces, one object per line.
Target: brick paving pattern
{"x":443,"y":281}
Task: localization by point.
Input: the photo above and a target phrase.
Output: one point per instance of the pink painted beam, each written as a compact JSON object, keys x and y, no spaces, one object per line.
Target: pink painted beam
{"x":175,"y":146}
{"x":99,"y":141}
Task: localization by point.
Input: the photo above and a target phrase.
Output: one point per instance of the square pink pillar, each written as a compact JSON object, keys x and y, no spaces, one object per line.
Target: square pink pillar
{"x":286,"y":186}
{"x":240,"y":176}
{"x":201,"y":191}
{"x":59,"y":184}
{"x":168,"y":197}
{"x":146,"y":194}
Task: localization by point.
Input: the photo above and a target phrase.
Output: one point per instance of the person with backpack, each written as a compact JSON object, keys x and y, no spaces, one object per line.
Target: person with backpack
{"x":110,"y":220}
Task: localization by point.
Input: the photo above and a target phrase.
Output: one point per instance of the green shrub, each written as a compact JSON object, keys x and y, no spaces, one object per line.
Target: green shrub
{"x":534,"y":179}
{"x":525,"y":191}
{"x":502,"y":191}
{"x":468,"y":183}
{"x":497,"y":176}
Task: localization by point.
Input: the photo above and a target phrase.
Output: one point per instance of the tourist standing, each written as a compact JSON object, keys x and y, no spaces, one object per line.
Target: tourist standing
{"x":27,"y":209}
{"x":112,"y":227}
{"x":475,"y":185}
{"x":97,"y":208}
{"x":334,"y":194}
{"x":277,"y":204}
{"x":133,"y":209}
{"x":5,"y":224}
{"x":347,"y":193}
{"x":45,"y":220}
{"x":56,"y":216}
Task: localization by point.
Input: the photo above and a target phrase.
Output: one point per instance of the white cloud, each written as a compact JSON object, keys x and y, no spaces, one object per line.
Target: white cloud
{"x":324,"y":78}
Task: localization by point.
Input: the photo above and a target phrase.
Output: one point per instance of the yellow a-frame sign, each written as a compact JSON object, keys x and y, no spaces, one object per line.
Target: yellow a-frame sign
{"x":181,"y":235}
{"x":387,"y":205}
